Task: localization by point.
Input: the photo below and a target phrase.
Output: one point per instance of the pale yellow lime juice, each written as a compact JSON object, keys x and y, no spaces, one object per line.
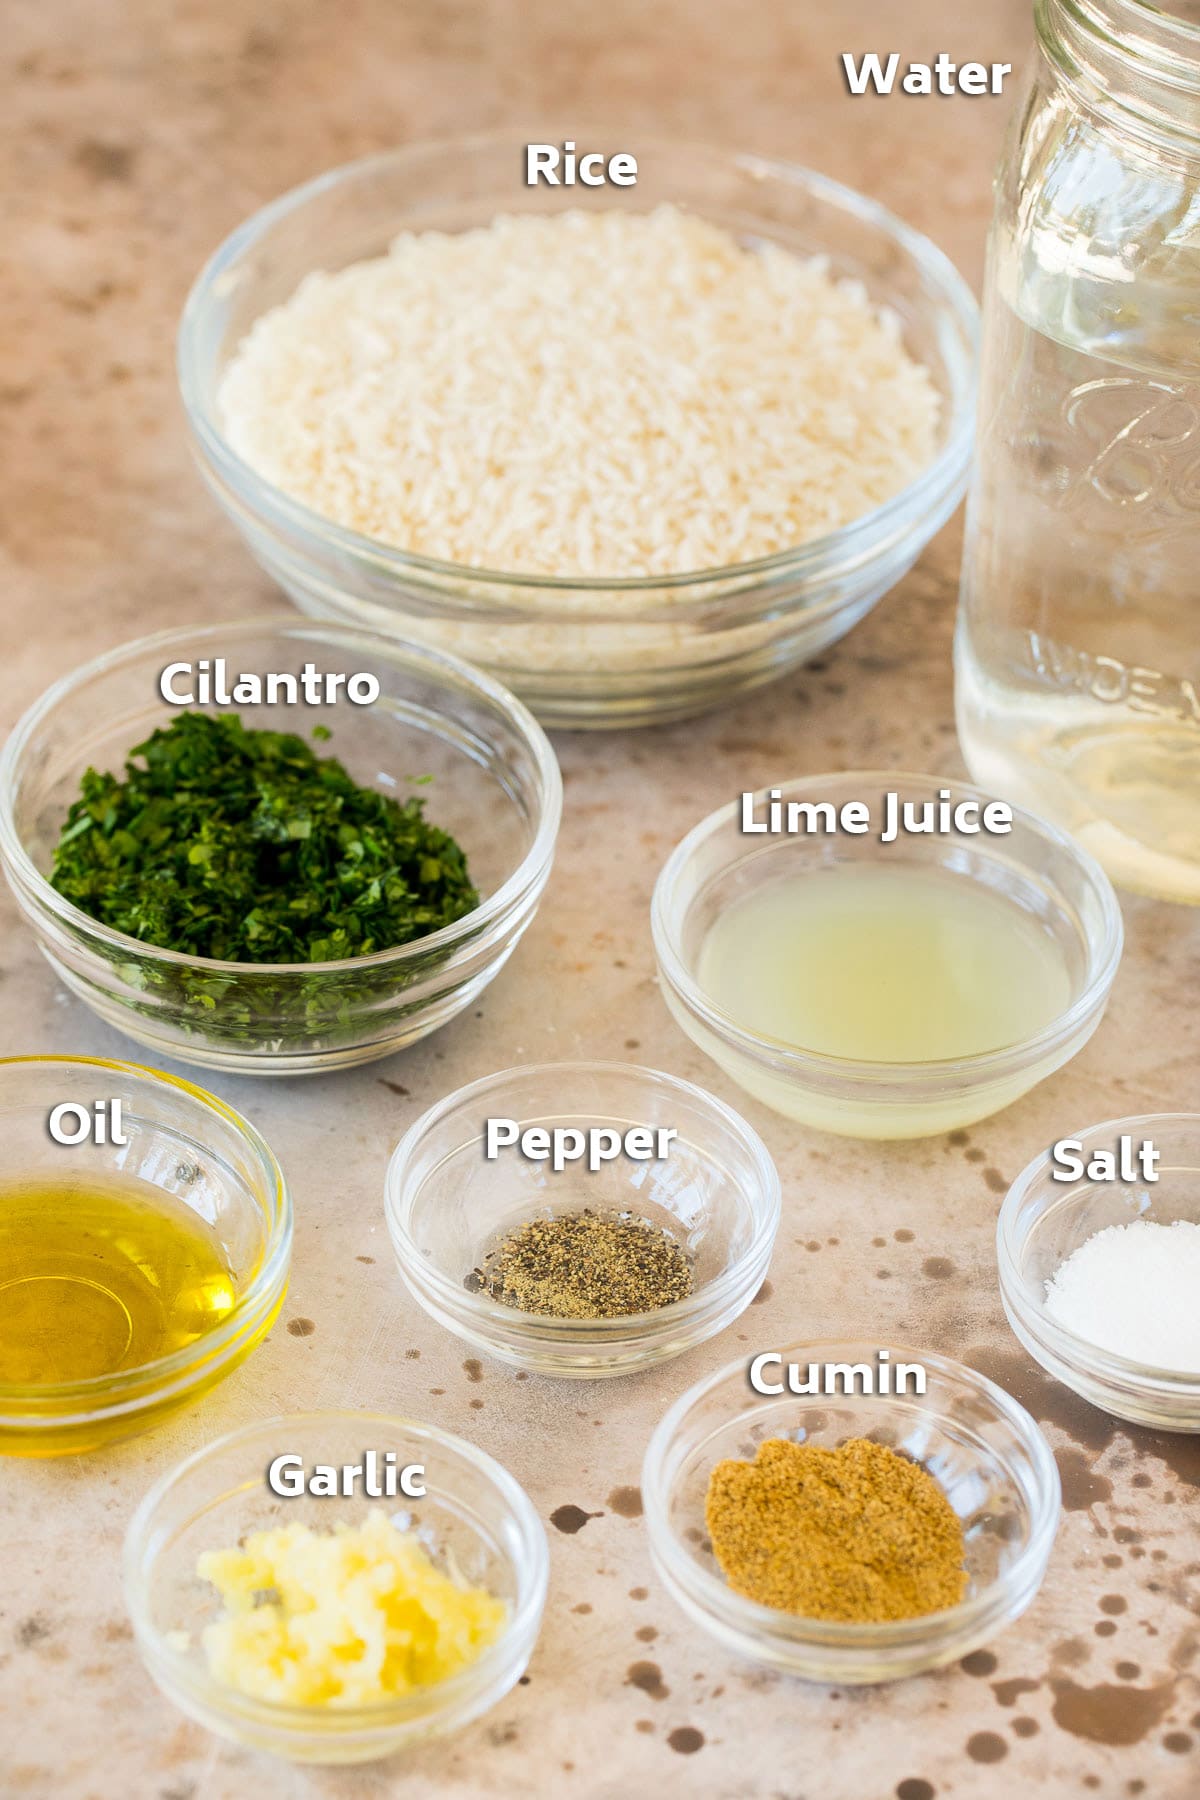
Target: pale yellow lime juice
{"x":904,"y":965}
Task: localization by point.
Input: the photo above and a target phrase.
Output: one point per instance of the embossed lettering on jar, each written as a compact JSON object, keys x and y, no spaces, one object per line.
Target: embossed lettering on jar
{"x":1078,"y":654}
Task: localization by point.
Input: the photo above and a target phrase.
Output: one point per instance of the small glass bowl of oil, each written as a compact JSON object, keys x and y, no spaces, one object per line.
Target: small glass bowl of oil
{"x":137,"y":1266}
{"x":885,"y":989}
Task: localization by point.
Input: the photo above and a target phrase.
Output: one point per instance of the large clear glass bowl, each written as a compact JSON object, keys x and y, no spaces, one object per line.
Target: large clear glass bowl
{"x":586,"y":652}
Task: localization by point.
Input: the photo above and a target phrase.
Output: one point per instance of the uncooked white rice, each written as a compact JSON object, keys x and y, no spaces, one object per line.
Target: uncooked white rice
{"x":604,"y":394}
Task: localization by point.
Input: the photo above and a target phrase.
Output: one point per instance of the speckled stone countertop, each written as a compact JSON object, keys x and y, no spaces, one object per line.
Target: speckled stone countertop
{"x":138,"y":136}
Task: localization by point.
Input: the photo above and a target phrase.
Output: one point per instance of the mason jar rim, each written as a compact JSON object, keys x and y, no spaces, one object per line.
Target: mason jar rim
{"x":1139,"y":64}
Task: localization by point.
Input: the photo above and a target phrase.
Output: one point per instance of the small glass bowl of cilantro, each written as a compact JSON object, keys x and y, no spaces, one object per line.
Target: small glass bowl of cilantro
{"x":278,"y":888}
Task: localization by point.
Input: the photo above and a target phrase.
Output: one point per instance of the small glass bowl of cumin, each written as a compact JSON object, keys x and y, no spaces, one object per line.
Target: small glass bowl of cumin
{"x":982,"y":1448}
{"x":715,"y":1192}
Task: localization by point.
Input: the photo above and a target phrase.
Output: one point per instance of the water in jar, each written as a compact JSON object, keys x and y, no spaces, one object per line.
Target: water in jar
{"x":1078,"y":653}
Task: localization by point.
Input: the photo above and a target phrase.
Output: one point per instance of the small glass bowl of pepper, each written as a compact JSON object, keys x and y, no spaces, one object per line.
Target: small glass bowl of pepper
{"x":574,"y":1270}
{"x":983,"y":1451}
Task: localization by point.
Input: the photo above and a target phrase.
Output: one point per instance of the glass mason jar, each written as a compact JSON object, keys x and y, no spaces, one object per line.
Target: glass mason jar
{"x":1078,"y":647}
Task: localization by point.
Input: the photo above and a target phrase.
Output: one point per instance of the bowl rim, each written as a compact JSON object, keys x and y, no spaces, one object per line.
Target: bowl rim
{"x":436,"y":665}
{"x":714,"y":1597}
{"x":1022,"y":1300}
{"x":809,"y":560}
{"x":142,"y":1544}
{"x":766,"y":1204}
{"x":796,"y":1060}
{"x":266,"y":1281}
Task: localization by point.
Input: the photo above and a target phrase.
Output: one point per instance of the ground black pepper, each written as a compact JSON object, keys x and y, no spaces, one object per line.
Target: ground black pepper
{"x":586,"y":1265}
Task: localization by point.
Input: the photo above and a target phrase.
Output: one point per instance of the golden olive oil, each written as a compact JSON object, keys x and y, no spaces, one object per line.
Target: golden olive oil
{"x":102,"y":1275}
{"x":903,"y":965}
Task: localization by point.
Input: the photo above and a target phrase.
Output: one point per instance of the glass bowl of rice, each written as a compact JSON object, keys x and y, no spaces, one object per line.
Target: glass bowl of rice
{"x":632,"y":450}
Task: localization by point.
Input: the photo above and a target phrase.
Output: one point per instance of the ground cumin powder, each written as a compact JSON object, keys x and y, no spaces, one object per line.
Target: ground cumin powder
{"x":857,"y":1533}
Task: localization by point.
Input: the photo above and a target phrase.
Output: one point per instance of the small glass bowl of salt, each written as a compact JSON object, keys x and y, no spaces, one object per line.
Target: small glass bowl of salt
{"x":1100,"y":1277}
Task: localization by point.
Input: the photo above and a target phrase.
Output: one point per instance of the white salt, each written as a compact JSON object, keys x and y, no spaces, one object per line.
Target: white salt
{"x":1135,"y":1290}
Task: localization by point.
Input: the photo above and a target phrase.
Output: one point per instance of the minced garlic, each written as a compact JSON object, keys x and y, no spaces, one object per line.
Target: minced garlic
{"x":342,"y":1618}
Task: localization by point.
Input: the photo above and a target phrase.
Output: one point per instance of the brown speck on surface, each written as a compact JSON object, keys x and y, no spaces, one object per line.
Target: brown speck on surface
{"x":476,"y":1405}
{"x":583,"y":1607}
{"x":958,"y":1138}
{"x":878,"y":1243}
{"x":364,"y":1259}
{"x":626,"y":1502}
{"x":394,"y":1087}
{"x":521,"y":1375}
{"x":812,"y":1244}
{"x":1025,"y":1727}
{"x":915,"y":1787}
{"x":1113,"y":1604}
{"x":33,"y":1631}
{"x":437,"y":1391}
{"x":639,"y":1593}
{"x":1112,"y":1560}
{"x":301,"y":1327}
{"x":986,"y":1747}
{"x":1127,"y":1671}
{"x":1070,"y":1653}
{"x":646,"y":1634}
{"x":647,"y":1678}
{"x":686,"y":1740}
{"x":1141,"y":1480}
{"x":1008,"y":1692}
{"x":904,"y":1236}
{"x":1105,"y":1627}
{"x":938,"y":1268}
{"x":1110,"y":1715}
{"x":412,"y":1356}
{"x":473,"y":1369}
{"x":105,"y":161}
{"x":644,"y":1725}
{"x":1082,"y":1487}
{"x":1177,"y":1742}
{"x":764,"y":1293}
{"x":994,"y":1180}
{"x":979,"y":1662}
{"x":975,"y":1156}
{"x":569,"y":1519}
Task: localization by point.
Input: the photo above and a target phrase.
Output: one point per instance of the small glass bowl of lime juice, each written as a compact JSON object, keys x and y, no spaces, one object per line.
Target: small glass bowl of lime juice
{"x":885,"y":989}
